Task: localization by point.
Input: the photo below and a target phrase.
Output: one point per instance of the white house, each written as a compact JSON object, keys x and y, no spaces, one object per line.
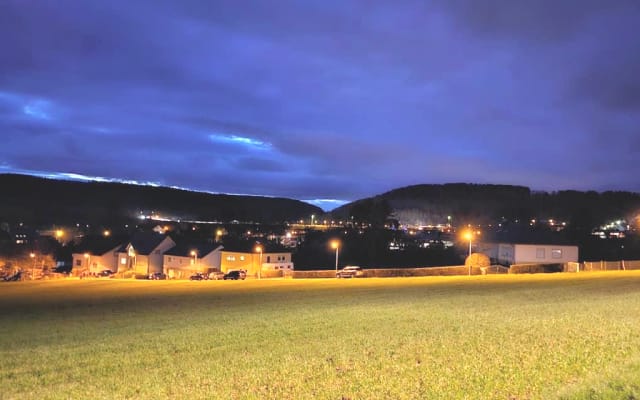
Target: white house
{"x":517,"y":253}
{"x":95,"y":254}
{"x":95,"y":259}
{"x":144,"y":253}
{"x":182,"y":261}
{"x":254,"y":263}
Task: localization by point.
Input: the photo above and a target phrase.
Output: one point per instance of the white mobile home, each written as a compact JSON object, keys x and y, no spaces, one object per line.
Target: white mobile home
{"x":517,"y":253}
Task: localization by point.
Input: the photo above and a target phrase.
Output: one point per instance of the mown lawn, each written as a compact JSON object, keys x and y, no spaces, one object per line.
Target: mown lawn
{"x":492,"y":337}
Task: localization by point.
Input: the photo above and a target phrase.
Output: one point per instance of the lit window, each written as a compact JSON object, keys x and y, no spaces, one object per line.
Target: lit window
{"x":241,"y":258}
{"x":556,"y":253}
{"x":231,"y":258}
{"x":540,"y":253}
{"x":123,"y":261}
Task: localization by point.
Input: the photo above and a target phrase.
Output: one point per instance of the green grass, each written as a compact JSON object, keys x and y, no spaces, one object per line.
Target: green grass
{"x":569,"y":336}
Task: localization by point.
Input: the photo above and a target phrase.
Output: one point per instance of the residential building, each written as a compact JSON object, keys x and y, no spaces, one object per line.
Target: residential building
{"x":182,"y":261}
{"x":254,"y":263}
{"x":144,"y":253}
{"x":96,"y":254}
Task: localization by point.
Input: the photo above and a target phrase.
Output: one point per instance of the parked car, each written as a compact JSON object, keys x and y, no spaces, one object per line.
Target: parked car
{"x":107,"y":273}
{"x":198,"y":276}
{"x":216,"y":275}
{"x":350,"y":271}
{"x":14,"y":278}
{"x":235,"y":275}
{"x":156,"y":276}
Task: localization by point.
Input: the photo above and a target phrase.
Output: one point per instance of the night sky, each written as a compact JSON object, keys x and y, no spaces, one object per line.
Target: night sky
{"x":323,"y":99}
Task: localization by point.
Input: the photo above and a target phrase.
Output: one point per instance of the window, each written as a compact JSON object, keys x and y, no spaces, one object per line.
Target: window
{"x":556,"y":253}
{"x":78,"y":263}
{"x":231,"y":258}
{"x":123,"y":261}
{"x":169,"y":259}
{"x":540,"y":253}
{"x":268,"y":259}
{"x":241,"y":258}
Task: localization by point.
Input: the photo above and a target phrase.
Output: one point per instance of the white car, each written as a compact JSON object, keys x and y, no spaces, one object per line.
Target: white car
{"x":350,"y":271}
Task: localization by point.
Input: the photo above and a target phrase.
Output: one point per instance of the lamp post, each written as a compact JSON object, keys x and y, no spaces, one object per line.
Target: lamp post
{"x":87,"y":257}
{"x":336,"y":245}
{"x":259,"y":250}
{"x":194,"y":254}
{"x":33,"y":267}
{"x":468,"y":235}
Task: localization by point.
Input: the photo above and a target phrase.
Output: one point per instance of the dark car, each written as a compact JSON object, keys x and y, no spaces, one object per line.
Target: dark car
{"x":235,"y":275}
{"x":156,"y":276}
{"x":107,"y":273}
{"x":14,"y":278}
{"x":198,"y":276}
{"x":350,"y":272}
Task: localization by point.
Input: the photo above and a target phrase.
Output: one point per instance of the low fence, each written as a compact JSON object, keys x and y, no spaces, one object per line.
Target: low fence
{"x":536,"y":268}
{"x":587,"y":266}
{"x":406,"y":272}
{"x":610,"y":265}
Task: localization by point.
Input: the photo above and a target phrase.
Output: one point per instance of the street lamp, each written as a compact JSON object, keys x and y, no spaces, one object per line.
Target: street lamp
{"x":469,"y":235}
{"x":258,"y":249}
{"x":87,"y":257}
{"x":335,"y":244}
{"x":33,"y":257}
{"x":194,"y":254}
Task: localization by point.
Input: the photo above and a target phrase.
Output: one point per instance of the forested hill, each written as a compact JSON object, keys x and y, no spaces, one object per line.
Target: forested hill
{"x":475,"y":203}
{"x":38,"y":200}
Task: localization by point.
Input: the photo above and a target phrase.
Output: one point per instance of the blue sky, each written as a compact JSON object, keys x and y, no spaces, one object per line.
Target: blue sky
{"x":335,"y":100}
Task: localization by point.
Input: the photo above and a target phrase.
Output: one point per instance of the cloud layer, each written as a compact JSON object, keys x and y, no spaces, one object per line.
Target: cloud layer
{"x":327,"y":100}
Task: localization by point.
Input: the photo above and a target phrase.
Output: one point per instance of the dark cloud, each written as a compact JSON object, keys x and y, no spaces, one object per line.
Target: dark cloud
{"x":323,"y":100}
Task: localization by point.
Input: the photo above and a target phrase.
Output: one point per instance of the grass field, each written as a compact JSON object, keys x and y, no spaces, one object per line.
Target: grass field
{"x":572,"y":336}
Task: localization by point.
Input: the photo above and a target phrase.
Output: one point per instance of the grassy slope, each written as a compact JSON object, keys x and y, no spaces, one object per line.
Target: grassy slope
{"x":537,"y":336}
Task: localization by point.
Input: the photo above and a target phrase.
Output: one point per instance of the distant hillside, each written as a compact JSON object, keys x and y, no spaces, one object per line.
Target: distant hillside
{"x":37,"y":201}
{"x":473,"y":203}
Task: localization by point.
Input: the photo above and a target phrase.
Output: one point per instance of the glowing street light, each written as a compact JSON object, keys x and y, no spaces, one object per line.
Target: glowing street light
{"x":87,"y":258}
{"x":33,"y":257}
{"x":258,"y":249}
{"x":194,"y":254}
{"x":468,"y":235}
{"x":335,"y":244}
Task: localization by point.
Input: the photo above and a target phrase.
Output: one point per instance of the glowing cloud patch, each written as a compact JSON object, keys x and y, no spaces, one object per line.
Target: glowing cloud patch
{"x":326,"y":204}
{"x":245,"y":141}
{"x":38,"y":109}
